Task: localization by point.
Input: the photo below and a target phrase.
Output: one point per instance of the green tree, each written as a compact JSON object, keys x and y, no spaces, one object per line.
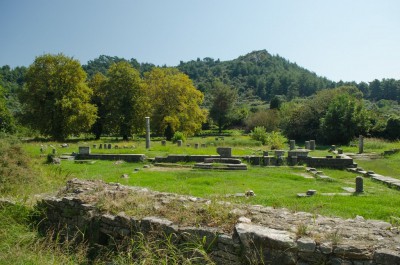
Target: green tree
{"x":56,"y":98}
{"x":393,"y":128}
{"x":223,"y":102}
{"x":269,"y":119}
{"x":344,"y":119}
{"x":97,"y":84}
{"x":6,"y":119}
{"x":174,"y":102}
{"x":123,"y":100}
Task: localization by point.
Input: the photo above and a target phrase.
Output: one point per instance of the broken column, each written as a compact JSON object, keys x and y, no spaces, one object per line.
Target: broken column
{"x":312,"y":144}
{"x":147,"y":132}
{"x":359,"y":184}
{"x":307,"y":144}
{"x":360,"y":144}
{"x":292,"y":144}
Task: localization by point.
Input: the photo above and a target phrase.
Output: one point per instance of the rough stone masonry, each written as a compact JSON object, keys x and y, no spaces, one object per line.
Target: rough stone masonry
{"x":260,"y":235}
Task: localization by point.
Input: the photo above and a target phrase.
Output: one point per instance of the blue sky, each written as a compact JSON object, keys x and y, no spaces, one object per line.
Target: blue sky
{"x":341,"y":39}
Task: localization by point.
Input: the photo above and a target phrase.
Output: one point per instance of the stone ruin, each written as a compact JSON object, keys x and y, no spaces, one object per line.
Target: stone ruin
{"x":258,"y":235}
{"x":223,"y":162}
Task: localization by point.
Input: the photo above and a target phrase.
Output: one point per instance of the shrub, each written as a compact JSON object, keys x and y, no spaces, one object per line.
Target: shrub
{"x":393,"y":128}
{"x":178,"y":136}
{"x":14,"y":166}
{"x":275,"y":140}
{"x":259,"y":134}
{"x":269,"y":119}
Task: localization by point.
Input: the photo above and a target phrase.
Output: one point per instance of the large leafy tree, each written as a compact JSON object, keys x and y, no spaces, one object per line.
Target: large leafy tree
{"x":56,"y":99}
{"x":123,"y":103}
{"x":174,"y":102}
{"x":223,"y":101}
{"x":345,"y":118}
{"x":97,"y":84}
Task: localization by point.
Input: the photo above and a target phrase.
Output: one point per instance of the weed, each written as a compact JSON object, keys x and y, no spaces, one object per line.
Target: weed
{"x":334,"y":237}
{"x":301,"y":230}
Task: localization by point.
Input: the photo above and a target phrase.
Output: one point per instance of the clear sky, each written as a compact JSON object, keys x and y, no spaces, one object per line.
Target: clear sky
{"x":340,"y":39}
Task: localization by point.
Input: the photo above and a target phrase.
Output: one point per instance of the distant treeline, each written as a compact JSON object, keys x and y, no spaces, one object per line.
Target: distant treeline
{"x":258,"y":81}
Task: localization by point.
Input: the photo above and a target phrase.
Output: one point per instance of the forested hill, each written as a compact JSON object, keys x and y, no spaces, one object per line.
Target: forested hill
{"x":258,"y":73}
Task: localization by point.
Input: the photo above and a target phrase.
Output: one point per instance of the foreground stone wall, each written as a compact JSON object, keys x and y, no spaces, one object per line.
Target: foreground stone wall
{"x":262,"y":235}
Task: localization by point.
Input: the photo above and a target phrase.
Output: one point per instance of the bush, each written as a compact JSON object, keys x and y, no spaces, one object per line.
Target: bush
{"x":393,"y":128}
{"x":14,"y":167}
{"x":269,"y":119}
{"x":275,"y":140}
{"x":178,"y":136}
{"x":259,"y":134}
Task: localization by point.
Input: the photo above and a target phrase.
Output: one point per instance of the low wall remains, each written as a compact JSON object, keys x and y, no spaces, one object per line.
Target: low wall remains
{"x":260,"y":235}
{"x":125,"y":157}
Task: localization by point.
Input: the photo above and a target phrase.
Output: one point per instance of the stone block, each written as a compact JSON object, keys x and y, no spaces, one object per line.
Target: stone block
{"x":224,"y":151}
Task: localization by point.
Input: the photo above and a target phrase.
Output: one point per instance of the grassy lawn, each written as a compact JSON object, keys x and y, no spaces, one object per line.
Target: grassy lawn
{"x":274,"y":186}
{"x":387,"y":166}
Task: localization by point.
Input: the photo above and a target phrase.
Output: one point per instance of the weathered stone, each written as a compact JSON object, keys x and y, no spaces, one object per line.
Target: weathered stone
{"x":266,"y":160}
{"x":311,"y":192}
{"x":339,"y":261}
{"x":326,"y":248}
{"x":312,"y":144}
{"x":56,"y":160}
{"x":193,"y":234}
{"x":292,"y":144}
{"x":224,"y":151}
{"x":227,"y":258}
{"x":279,"y":153}
{"x":386,"y":256}
{"x":147,"y":132}
{"x":243,"y":219}
{"x":307,"y":144}
{"x":250,"y":234}
{"x":359,"y":184}
{"x":359,"y":252}
{"x":163,"y":143}
{"x":196,"y":146}
{"x":152,"y":223}
{"x":306,"y":244}
{"x":179,"y":142}
{"x":311,"y":258}
{"x":361,"y":144}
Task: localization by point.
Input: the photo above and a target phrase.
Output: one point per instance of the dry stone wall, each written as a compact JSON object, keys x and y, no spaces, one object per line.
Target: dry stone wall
{"x":261,"y":235}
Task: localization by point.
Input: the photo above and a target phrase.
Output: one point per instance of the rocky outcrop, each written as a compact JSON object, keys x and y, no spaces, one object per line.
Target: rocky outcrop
{"x":259,"y":235}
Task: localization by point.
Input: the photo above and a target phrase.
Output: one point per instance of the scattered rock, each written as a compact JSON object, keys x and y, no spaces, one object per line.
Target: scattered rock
{"x":250,"y":193}
{"x":124,"y":176}
{"x":311,"y":192}
{"x":119,"y":162}
{"x":245,"y":220}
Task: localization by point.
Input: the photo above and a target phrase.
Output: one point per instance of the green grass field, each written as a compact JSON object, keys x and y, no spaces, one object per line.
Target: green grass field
{"x":274,"y":186}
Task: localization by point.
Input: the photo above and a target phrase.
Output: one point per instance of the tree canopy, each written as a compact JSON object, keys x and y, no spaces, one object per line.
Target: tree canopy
{"x":123,"y":102}
{"x":223,"y":101}
{"x":56,"y":99}
{"x":173,"y":101}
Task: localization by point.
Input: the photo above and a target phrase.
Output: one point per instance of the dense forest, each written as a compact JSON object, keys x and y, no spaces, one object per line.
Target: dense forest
{"x":263,"y":90}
